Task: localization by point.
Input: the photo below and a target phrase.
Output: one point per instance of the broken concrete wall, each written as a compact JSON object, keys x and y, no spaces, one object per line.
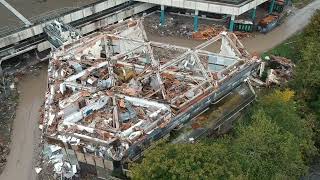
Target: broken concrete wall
{"x":113,"y":90}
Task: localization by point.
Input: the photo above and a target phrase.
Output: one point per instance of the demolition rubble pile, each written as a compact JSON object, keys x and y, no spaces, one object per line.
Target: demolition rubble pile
{"x":56,"y":161}
{"x":181,"y":26}
{"x":275,"y":71}
{"x":8,"y":99}
{"x":207,"y":32}
{"x":112,"y":89}
{"x":281,"y":70}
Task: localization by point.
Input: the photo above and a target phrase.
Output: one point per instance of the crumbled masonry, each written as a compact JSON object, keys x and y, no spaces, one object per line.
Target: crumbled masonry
{"x":113,"y":89}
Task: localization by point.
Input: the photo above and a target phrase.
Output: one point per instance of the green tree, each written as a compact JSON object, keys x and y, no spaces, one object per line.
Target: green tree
{"x":188,"y":161}
{"x":281,"y":108}
{"x":307,"y":72}
{"x":306,"y":80}
{"x":265,"y":152}
{"x":272,"y":143}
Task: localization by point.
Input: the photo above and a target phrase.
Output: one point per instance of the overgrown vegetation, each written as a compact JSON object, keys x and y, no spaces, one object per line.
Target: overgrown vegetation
{"x":278,"y":139}
{"x":303,"y":49}
{"x":274,"y":142}
{"x":301,"y":3}
{"x":288,"y":49}
{"x":307,"y":74}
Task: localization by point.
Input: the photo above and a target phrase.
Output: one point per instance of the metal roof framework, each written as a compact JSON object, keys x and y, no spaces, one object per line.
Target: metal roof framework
{"x":111,"y":89}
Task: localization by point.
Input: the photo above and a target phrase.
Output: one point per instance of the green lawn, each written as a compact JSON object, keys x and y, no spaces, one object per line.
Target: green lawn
{"x":301,"y":3}
{"x":288,"y":49}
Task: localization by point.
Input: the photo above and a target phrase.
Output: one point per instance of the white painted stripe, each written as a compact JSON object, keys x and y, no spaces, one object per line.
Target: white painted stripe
{"x":16,"y":13}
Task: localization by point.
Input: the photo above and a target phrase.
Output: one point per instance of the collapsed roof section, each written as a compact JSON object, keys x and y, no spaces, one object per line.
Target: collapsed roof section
{"x":111,"y":89}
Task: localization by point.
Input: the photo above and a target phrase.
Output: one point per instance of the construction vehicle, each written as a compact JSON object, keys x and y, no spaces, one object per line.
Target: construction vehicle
{"x":270,"y":22}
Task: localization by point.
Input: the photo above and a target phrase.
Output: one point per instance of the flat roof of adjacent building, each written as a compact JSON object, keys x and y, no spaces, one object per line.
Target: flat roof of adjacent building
{"x":34,"y":10}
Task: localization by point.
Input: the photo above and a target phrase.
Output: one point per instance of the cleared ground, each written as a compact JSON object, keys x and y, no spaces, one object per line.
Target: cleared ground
{"x":26,"y":134}
{"x":260,"y":42}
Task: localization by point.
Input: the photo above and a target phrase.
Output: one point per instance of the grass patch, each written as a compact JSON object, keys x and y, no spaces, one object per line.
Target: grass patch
{"x":301,"y":3}
{"x":289,"y":48}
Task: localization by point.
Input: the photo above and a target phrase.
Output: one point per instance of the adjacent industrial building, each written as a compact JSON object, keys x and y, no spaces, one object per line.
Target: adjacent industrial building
{"x":29,"y":36}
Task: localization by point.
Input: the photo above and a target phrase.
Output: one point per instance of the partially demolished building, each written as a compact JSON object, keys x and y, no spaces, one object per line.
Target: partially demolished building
{"x":112,"y":93}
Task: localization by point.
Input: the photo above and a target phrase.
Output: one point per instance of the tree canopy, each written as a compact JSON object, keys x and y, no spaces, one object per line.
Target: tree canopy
{"x":272,"y":143}
{"x":266,"y":152}
{"x":185,"y":161}
{"x":307,"y":72}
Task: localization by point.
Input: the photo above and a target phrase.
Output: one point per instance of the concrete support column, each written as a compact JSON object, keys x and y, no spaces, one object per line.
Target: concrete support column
{"x":287,"y":2}
{"x":271,"y":6}
{"x":162,"y":17}
{"x":1,"y":71}
{"x":233,"y":17}
{"x":254,"y":14}
{"x":196,"y":21}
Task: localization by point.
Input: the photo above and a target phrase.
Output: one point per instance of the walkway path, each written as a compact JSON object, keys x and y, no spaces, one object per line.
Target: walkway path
{"x":261,"y":42}
{"x":294,"y":23}
{"x":26,"y":133}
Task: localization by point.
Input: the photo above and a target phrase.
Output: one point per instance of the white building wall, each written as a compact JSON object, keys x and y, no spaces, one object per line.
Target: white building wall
{"x":206,"y":6}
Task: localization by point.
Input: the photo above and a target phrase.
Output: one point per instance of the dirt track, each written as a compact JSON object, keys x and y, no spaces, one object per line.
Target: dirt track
{"x":25,"y":129}
{"x":26,"y":134}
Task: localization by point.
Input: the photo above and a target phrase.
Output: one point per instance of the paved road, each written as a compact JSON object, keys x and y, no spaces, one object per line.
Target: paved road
{"x":294,"y":23}
{"x":26,"y":135}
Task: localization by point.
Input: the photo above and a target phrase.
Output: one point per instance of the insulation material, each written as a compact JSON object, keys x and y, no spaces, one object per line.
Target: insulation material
{"x":226,"y":49}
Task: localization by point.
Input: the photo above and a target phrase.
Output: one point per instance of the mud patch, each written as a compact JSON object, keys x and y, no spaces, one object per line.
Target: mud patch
{"x":9,"y":97}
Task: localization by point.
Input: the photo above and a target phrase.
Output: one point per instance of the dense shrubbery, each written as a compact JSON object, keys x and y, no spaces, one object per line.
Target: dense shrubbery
{"x":273,"y":143}
{"x":307,"y":74}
